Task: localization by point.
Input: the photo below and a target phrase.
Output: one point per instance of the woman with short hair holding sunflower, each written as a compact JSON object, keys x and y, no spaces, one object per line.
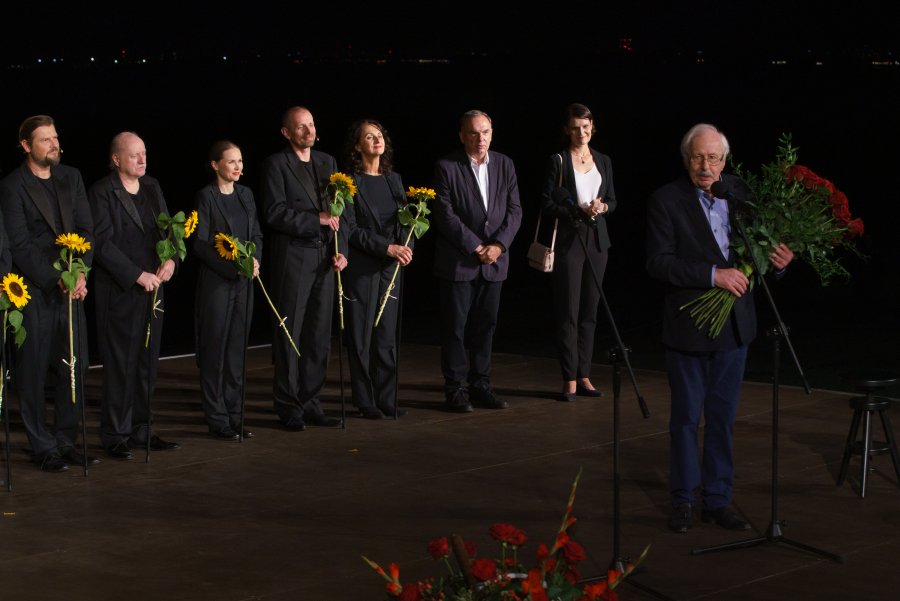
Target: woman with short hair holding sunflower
{"x":224,"y":299}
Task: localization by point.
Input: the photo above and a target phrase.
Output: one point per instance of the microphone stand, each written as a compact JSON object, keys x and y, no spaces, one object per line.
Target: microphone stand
{"x":773,"y":532}
{"x":620,"y":351}
{"x":247,"y":318}
{"x":79,"y":375}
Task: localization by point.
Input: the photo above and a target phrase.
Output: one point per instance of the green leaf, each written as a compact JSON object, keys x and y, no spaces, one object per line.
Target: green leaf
{"x":165,"y":250}
{"x":421,"y":226}
{"x":69,"y":280}
{"x":19,"y":336}
{"x":14,"y":318}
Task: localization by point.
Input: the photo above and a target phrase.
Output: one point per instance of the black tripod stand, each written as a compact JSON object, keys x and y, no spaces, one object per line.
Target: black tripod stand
{"x":617,"y":353}
{"x":773,"y":532}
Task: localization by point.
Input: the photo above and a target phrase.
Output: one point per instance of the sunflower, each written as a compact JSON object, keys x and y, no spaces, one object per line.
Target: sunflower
{"x":190,"y":225}
{"x":73,"y":242}
{"x":16,"y":290}
{"x":342,"y":182}
{"x":420,"y":194}
{"x":226,"y":247}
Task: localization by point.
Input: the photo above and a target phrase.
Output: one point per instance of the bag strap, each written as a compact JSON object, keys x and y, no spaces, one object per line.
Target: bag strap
{"x":555,"y":221}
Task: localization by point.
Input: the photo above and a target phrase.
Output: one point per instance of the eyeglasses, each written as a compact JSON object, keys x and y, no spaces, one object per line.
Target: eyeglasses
{"x":711,"y":159}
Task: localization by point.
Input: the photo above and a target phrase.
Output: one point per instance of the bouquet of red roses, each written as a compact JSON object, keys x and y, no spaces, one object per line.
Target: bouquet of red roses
{"x":793,"y":205}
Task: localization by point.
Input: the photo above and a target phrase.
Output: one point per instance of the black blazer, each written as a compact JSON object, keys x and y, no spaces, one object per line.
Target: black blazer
{"x":569,"y":215}
{"x":212,"y":220}
{"x":681,"y":250}
{"x":30,"y":222}
{"x":369,"y":236}
{"x":119,"y":225}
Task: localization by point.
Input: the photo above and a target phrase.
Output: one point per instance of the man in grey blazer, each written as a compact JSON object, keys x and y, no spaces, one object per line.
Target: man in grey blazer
{"x":476,"y":215}
{"x":302,"y":231}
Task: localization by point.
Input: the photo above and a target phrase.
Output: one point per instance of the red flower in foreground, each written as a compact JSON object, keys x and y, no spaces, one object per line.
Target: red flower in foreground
{"x":573,"y":552}
{"x":439,"y":548}
{"x":507,"y":533}
{"x":410,"y":592}
{"x":484,"y":569}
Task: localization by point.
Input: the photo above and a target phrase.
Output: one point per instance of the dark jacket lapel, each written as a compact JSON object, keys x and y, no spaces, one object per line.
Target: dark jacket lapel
{"x":40,"y":199}
{"x":127,"y":203}
{"x":304,"y":178}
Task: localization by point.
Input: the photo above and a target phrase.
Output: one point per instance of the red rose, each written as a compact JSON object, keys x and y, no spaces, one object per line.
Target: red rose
{"x":410,"y":592}
{"x":506,"y":533}
{"x":855,"y":228}
{"x":484,"y":569}
{"x":439,"y":548}
{"x":542,"y":552}
{"x":471,"y":548}
{"x":573,"y":552}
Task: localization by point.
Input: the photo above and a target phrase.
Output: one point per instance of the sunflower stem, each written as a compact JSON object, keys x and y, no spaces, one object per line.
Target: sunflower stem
{"x":387,"y":293}
{"x":71,"y":352}
{"x":280,"y":319}
{"x":340,"y":287}
{"x":150,"y":319}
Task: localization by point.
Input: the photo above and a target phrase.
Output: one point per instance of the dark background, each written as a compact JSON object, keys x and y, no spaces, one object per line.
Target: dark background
{"x":182,"y":78}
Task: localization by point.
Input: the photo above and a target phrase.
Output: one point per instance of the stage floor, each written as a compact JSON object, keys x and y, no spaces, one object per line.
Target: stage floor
{"x":287,"y":516}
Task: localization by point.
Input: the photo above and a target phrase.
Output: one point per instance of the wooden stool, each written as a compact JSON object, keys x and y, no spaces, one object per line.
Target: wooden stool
{"x":863,"y":408}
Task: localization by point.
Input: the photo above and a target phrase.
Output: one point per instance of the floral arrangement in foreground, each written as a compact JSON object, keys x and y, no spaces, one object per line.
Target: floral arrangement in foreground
{"x":414,"y":216}
{"x":241,"y":254}
{"x":554,"y":576}
{"x":341,"y":189}
{"x":789,"y":204}
{"x":71,"y":268}
{"x":175,"y":229}
{"x":13,"y":298}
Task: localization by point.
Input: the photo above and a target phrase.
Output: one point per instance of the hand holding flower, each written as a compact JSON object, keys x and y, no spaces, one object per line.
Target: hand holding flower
{"x":781,"y":256}
{"x":166,"y":270}
{"x":733,"y":280}
{"x":403,"y":254}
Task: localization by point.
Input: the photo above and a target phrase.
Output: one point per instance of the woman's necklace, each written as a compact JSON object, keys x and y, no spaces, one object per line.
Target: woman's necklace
{"x":581,"y":156}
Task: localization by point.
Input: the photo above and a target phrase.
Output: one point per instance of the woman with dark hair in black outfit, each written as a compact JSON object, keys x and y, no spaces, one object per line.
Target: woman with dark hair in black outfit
{"x":376,"y":245}
{"x":224,"y":298}
{"x":582,"y":242}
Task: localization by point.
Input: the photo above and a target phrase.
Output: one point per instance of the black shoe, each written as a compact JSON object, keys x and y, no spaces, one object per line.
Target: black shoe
{"x":485,"y":397}
{"x":568,"y":397}
{"x":295,"y":424}
{"x":52,"y":462}
{"x":156,"y":444}
{"x":247,"y":434}
{"x":120,"y":451}
{"x":400,"y":412}
{"x":591,"y":392}
{"x":680,"y":519}
{"x":320,"y":419}
{"x":73,"y":457}
{"x":458,"y":401}
{"x":371,"y":413}
{"x":726,"y":518}
{"x":227,"y":434}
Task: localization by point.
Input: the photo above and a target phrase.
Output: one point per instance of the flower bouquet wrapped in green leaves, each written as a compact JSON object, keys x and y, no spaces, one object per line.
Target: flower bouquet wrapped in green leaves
{"x":792,"y":205}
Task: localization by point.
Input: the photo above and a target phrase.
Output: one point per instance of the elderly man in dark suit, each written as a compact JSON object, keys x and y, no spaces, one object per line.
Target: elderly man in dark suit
{"x":302,"y":230}
{"x":688,"y":249}
{"x":126,"y":204}
{"x":41,"y":200}
{"x":477,"y":214}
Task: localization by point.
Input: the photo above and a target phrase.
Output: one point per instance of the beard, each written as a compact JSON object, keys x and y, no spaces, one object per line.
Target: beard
{"x":51,"y":159}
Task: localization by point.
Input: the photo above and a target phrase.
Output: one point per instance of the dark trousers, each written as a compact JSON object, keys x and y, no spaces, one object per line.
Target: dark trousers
{"x":46,"y":346}
{"x":706,"y":384}
{"x":306,"y":299}
{"x":129,"y":367}
{"x":576,"y":297}
{"x":371,"y":350}
{"x":469,"y":317}
{"x":222,"y":332}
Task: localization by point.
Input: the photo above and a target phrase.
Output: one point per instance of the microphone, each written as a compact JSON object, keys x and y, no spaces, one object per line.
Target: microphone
{"x":720,"y":189}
